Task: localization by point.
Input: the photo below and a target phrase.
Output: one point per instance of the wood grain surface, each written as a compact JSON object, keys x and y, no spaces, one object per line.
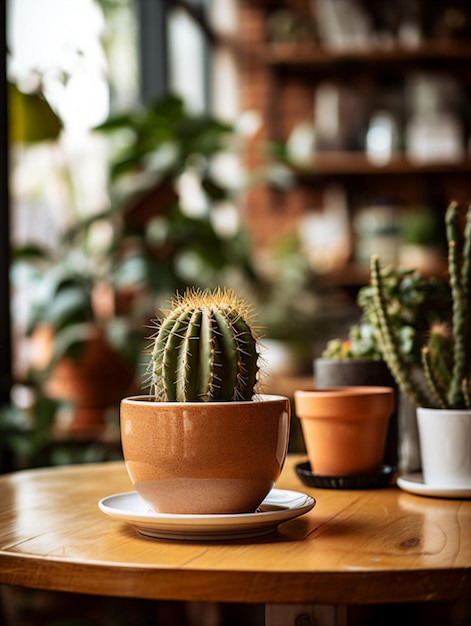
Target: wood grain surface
{"x":354,"y":547}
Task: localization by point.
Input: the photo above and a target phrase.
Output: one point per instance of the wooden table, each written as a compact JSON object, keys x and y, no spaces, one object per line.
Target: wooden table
{"x":353,"y":547}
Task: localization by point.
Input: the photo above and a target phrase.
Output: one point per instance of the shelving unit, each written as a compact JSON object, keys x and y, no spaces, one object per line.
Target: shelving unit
{"x":279,"y":79}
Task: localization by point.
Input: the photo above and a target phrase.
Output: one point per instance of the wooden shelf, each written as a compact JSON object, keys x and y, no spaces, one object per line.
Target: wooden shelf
{"x":358,"y":164}
{"x":313,"y":55}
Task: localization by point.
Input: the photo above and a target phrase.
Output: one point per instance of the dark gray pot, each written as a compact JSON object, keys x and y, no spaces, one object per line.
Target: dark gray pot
{"x":352,"y":372}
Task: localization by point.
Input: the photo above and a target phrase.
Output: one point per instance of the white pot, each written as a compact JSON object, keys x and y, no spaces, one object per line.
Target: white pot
{"x":445,"y":445}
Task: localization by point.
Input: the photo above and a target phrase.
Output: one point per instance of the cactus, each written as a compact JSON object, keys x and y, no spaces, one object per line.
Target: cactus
{"x":205,"y":350}
{"x":446,"y":358}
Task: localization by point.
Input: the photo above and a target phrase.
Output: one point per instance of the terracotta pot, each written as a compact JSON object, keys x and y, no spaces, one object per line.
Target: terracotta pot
{"x":93,"y":383}
{"x":345,"y":428}
{"x":445,"y":444}
{"x":365,"y":373}
{"x":204,"y":457}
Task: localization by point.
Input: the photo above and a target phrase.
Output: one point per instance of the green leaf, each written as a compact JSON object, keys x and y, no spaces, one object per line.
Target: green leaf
{"x":32,"y":119}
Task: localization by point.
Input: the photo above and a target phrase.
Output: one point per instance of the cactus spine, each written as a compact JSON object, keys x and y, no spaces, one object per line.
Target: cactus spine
{"x":205,"y":350}
{"x":446,"y":358}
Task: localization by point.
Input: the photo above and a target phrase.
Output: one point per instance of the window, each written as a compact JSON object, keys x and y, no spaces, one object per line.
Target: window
{"x":90,"y":58}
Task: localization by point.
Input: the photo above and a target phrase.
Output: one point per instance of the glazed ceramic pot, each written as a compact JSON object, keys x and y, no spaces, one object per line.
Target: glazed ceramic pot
{"x":204,"y":457}
{"x":445,"y":445}
{"x":344,"y":428}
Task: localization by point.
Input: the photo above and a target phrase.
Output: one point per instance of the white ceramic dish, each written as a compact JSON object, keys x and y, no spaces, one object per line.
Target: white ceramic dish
{"x":279,"y":506}
{"x":414,"y":483}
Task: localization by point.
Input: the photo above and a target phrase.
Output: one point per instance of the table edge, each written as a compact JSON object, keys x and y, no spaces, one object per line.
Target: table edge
{"x":148,"y":582}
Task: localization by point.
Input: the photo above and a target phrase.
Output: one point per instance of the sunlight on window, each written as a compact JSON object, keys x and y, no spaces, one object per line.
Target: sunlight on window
{"x":67,"y":50}
{"x":59,"y":44}
{"x":77,"y":56}
{"x":186,"y":59}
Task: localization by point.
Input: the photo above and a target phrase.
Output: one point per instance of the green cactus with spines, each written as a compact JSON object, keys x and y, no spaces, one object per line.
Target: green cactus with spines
{"x":446,"y":358}
{"x":460,"y":276}
{"x":206,"y":349}
{"x":437,"y":357}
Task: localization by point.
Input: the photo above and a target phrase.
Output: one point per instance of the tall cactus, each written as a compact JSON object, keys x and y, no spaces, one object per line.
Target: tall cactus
{"x":446,"y":358}
{"x":205,"y":350}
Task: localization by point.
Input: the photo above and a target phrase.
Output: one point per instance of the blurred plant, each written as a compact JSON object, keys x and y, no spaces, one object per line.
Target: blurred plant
{"x":172,"y":223}
{"x":161,"y":233}
{"x":294,"y":307}
{"x":422,"y":226}
{"x":69,"y":293}
{"x":287,"y":294}
{"x":174,"y":184}
{"x":25,"y":435}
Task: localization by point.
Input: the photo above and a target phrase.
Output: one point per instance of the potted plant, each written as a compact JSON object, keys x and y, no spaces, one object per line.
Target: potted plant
{"x":413,"y":302}
{"x":205,"y":441}
{"x":81,"y":353}
{"x":442,"y":395}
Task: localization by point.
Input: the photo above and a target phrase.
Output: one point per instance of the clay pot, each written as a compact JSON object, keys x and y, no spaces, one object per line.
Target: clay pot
{"x":345,"y":428}
{"x":368,"y":373}
{"x":204,"y":457}
{"x":93,"y":383}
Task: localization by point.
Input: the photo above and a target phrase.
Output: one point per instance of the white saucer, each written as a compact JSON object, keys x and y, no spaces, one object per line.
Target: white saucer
{"x":279,"y":506}
{"x":414,"y":483}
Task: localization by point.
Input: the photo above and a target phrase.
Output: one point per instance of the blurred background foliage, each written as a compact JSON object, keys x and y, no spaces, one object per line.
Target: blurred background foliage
{"x":172,"y":221}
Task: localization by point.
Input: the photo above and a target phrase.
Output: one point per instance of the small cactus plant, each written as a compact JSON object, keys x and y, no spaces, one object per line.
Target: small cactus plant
{"x":205,"y":349}
{"x":446,"y":357}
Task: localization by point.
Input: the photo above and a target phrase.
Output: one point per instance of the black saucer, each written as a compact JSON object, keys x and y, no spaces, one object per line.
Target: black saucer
{"x":381,"y":478}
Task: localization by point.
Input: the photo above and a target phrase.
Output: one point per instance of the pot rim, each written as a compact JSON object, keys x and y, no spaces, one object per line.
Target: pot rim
{"x":436,"y":411}
{"x":257,"y":398}
{"x":344,"y":391}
